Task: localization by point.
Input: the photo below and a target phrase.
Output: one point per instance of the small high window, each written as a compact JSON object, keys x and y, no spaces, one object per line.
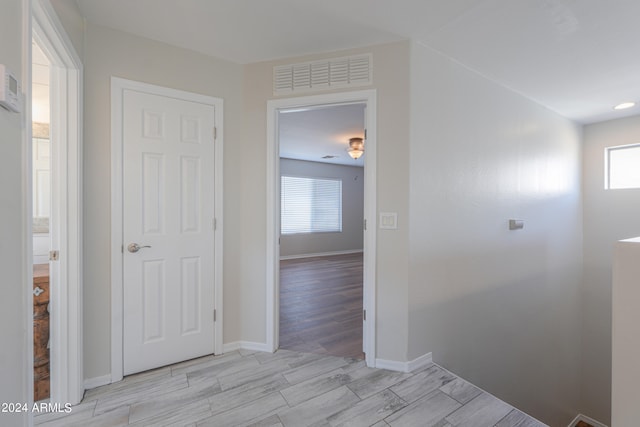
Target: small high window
{"x":622,"y":167}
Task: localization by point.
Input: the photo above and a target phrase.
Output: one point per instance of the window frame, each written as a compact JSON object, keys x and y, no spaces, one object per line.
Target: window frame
{"x":607,"y":165}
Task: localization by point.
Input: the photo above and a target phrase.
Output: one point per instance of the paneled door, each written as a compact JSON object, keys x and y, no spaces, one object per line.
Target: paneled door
{"x":168,"y":230}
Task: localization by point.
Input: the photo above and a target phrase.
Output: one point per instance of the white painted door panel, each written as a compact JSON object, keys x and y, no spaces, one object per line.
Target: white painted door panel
{"x":168,"y":205}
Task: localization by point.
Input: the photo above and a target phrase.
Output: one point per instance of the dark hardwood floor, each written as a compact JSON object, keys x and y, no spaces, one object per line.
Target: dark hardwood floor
{"x":321,"y":305}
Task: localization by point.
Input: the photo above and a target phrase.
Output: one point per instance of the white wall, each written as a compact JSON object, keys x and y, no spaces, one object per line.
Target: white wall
{"x":500,"y":308}
{"x":350,"y":238}
{"x":609,"y":216}
{"x":13,"y":262}
{"x":625,"y":333}
{"x":113,"y":53}
{"x":391,"y":80}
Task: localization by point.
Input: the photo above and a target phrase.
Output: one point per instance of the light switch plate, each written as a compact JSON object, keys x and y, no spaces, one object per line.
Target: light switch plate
{"x":389,"y":220}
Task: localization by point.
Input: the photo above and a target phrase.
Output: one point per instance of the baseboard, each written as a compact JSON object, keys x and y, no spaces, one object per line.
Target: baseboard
{"x":232,"y":346}
{"x":419,"y":362}
{"x":90,"y":383}
{"x":246,"y":345}
{"x":300,"y":256}
{"x":391,"y":365}
{"x":412,"y":365}
{"x":587,"y":420}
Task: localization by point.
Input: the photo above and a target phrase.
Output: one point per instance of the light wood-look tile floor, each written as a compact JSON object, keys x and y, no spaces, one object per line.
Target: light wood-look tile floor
{"x":288,"y":388}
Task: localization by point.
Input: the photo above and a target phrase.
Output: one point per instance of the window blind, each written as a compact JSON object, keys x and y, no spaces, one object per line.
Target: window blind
{"x":310,"y":205}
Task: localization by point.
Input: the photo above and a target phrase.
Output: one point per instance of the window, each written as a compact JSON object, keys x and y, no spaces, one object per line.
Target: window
{"x":622,"y":167}
{"x":310,"y":205}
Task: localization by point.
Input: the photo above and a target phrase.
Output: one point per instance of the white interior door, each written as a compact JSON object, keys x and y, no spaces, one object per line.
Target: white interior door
{"x":168,"y":211}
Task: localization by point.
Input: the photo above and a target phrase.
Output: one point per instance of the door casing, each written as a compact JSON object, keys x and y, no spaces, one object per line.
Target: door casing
{"x":367,"y":97}
{"x":66,"y":352}
{"x":118,"y":86}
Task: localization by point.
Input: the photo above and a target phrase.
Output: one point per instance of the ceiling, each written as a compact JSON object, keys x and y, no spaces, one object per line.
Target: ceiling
{"x":578,"y":58}
{"x":311,"y":134}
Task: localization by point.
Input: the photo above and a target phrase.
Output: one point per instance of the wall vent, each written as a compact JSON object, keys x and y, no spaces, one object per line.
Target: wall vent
{"x":348,"y":71}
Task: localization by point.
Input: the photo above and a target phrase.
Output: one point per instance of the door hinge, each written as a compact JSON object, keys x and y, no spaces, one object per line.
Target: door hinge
{"x":54,"y":255}
{"x":365,"y":224}
{"x":365,"y":134}
{"x":364,"y":315}
{"x":214,"y":314}
{"x":215,"y":224}
{"x":215,"y":133}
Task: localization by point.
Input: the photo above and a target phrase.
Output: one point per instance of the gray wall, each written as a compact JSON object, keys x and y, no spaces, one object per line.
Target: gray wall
{"x":350,"y":238}
{"x":13,"y":261}
{"x":500,"y":308}
{"x":609,"y":216}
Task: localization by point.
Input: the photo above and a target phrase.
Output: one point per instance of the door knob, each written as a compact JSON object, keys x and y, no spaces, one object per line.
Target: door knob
{"x":134,"y":247}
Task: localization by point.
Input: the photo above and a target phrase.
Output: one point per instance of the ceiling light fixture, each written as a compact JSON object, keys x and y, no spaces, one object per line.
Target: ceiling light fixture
{"x":624,"y":105}
{"x":356,"y":147}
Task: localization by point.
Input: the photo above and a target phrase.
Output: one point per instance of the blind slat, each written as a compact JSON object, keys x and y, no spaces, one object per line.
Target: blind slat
{"x":310,"y":205}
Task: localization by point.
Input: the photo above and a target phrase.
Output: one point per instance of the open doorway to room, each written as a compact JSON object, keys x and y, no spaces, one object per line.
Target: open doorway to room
{"x":56,"y":100}
{"x":41,"y":181}
{"x":275,"y":111}
{"x":321,"y":228}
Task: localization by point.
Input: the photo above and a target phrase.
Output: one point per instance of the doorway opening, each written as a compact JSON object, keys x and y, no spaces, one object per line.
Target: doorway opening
{"x":321,"y":229}
{"x":57,"y":208}
{"x":41,"y":233}
{"x":284,"y":241}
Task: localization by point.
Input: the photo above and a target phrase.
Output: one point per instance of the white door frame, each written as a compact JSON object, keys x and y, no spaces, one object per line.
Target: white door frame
{"x":66,"y":352}
{"x":367,"y":97}
{"x":118,"y":86}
